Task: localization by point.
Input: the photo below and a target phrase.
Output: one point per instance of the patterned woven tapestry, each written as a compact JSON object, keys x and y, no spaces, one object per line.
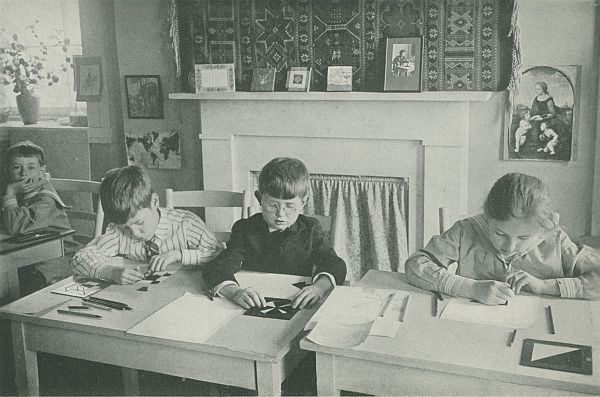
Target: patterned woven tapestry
{"x":466,"y":43}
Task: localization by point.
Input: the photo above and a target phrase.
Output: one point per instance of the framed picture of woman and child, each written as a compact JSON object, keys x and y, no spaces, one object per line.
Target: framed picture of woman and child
{"x":541,"y":122}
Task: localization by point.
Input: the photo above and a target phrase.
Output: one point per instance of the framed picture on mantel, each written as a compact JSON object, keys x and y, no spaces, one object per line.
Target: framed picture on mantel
{"x":403,"y":64}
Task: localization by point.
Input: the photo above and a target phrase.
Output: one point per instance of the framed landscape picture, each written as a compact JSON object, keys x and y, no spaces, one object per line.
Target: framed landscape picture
{"x":144,"y":97}
{"x":216,"y":77}
{"x":88,"y":78}
{"x":403,"y":60}
{"x":263,"y":79}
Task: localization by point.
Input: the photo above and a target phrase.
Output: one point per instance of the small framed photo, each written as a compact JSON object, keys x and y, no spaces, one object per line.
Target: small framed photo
{"x":215,"y":77}
{"x":339,"y":78}
{"x":88,"y":78}
{"x":298,"y":79}
{"x":403,"y":59}
{"x":263,"y":79}
{"x":144,"y":97}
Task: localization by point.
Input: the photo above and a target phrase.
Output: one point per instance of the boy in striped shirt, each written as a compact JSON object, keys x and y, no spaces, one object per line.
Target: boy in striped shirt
{"x":142,"y":231}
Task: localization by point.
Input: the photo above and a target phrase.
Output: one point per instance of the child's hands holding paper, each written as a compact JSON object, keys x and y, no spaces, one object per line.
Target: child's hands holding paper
{"x":160,"y":262}
{"x":245,"y":297}
{"x":312,"y":294}
{"x":122,"y":274}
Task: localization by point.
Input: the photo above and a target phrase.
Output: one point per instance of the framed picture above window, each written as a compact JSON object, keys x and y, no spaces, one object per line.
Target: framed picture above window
{"x":403,"y":59}
{"x":88,"y":78}
{"x":144,"y":97}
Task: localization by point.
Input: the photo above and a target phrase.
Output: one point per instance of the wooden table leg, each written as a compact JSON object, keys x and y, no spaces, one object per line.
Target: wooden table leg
{"x":14,"y":289}
{"x":326,"y":375}
{"x":26,"y":366}
{"x":268,"y":379}
{"x":131,"y":382}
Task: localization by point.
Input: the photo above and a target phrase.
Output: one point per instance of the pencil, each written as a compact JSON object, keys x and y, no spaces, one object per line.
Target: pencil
{"x":90,"y":304}
{"x":79,"y":314}
{"x":550,"y":320}
{"x":404,"y":308}
{"x":511,"y":339}
{"x":434,"y":307}
{"x":386,"y":304}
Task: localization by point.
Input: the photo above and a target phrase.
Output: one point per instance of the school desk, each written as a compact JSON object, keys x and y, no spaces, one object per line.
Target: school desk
{"x":247,"y":352}
{"x":433,"y":356}
{"x":16,"y":255}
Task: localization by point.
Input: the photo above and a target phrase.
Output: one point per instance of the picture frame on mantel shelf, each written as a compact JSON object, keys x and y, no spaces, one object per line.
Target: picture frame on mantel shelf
{"x":144,"y":97}
{"x":403,"y":61}
{"x":298,"y":79}
{"x":88,"y":78}
{"x":214,"y":78}
{"x":339,"y":78}
{"x":263,"y":80}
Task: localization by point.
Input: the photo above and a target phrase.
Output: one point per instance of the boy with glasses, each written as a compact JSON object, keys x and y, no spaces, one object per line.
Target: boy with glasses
{"x":278,"y":240}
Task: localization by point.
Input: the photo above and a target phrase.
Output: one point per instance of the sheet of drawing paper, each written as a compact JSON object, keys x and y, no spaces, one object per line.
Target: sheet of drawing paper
{"x":519,"y":313}
{"x":189,"y":318}
{"x":334,"y":334}
{"x":270,"y":284}
{"x":355,"y":305}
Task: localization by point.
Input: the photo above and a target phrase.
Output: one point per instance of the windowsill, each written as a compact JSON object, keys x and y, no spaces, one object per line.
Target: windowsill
{"x":95,"y":135}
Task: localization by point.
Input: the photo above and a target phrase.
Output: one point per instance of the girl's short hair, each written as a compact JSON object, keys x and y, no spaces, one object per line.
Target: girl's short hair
{"x":25,"y":149}
{"x":518,"y":195}
{"x":284,"y":178}
{"x":124,"y":191}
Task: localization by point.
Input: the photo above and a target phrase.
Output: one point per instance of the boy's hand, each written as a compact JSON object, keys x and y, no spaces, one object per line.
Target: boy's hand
{"x":522,"y":280}
{"x":122,"y":274}
{"x":25,"y":185}
{"x":312,"y":294}
{"x":160,"y":262}
{"x":245,"y":297}
{"x":491,"y":292}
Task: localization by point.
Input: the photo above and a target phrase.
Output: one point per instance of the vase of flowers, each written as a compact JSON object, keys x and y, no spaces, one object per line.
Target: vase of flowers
{"x":28,"y":71}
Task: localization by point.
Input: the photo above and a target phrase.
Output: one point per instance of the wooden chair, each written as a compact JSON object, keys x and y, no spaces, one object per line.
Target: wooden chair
{"x":447,"y":219}
{"x":85,"y":215}
{"x":211,"y":198}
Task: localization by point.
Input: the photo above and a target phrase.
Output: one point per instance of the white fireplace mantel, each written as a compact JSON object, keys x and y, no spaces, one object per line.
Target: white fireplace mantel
{"x":419,"y":136}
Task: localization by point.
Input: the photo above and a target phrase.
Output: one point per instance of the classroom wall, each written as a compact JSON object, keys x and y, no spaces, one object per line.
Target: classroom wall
{"x":553,"y":32}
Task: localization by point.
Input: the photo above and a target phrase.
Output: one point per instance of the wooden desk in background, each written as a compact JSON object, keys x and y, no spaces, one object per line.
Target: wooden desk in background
{"x":14,"y":256}
{"x":248,"y":352}
{"x":432,"y":356}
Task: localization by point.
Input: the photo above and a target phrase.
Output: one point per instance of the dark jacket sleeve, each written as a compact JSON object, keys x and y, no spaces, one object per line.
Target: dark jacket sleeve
{"x":229,"y":261}
{"x":324,"y":256}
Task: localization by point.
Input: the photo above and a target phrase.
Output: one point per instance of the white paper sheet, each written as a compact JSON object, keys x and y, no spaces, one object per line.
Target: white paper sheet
{"x":334,"y":334}
{"x":270,"y":284}
{"x":189,"y":318}
{"x":519,"y":313}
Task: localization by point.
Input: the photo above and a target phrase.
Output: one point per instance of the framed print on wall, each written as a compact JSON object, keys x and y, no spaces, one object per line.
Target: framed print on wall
{"x":403,"y":60}
{"x":88,"y":78}
{"x":541,"y":124}
{"x":144,"y":97}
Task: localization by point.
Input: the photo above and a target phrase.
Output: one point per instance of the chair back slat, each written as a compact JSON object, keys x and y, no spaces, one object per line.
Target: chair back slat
{"x":86,"y":215}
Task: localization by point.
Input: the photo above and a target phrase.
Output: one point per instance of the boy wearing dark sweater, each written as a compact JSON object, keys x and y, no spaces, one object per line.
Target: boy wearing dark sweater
{"x":278,"y":240}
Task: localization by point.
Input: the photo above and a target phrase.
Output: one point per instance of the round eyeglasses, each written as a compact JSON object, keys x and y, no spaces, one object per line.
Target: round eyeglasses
{"x":273,"y":207}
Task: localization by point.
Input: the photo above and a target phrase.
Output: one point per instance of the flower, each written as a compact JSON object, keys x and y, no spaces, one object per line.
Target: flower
{"x":27,"y":71}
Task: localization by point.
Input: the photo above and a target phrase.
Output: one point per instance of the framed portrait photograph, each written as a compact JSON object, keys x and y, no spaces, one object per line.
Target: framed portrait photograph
{"x":144,"y":97}
{"x":541,"y":121}
{"x":215,"y":77}
{"x":403,"y":60}
{"x":88,"y":78}
{"x":339,"y":78}
{"x":263,"y":79}
{"x":298,"y":79}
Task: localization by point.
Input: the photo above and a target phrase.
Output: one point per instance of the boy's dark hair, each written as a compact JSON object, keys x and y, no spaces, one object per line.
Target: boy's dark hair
{"x":284,"y":178}
{"x":25,"y":149}
{"x":124,"y":191}
{"x":519,"y":196}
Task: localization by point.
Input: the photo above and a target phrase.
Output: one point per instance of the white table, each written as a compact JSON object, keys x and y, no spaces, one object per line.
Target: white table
{"x":248,"y":352}
{"x":432,"y":356}
{"x":14,"y":256}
